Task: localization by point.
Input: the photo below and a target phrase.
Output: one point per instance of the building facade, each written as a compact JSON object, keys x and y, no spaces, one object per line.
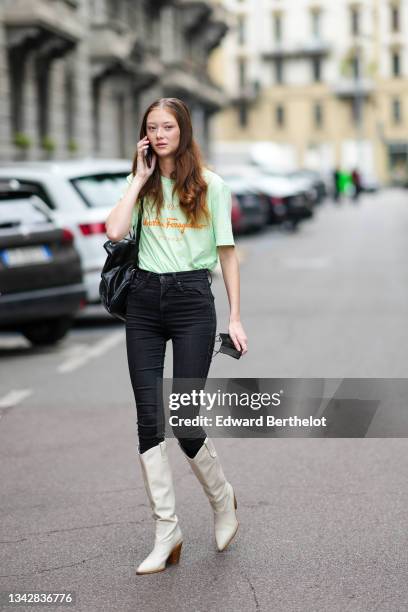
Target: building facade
{"x":325,"y":82}
{"x":77,"y":75}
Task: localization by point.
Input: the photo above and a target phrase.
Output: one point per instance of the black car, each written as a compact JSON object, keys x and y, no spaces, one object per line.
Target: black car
{"x":315,"y":185}
{"x":41,"y":284}
{"x":289,"y":205}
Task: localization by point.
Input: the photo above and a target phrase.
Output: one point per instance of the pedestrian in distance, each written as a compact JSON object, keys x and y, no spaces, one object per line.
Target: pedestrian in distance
{"x":186,"y":225}
{"x":336,"y":185}
{"x":356,"y":179}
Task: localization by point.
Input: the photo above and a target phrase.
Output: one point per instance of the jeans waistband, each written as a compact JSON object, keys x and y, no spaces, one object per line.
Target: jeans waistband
{"x":169,"y":276}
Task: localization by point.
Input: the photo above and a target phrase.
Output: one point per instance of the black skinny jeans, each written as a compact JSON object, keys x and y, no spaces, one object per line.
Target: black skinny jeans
{"x":177,"y":306}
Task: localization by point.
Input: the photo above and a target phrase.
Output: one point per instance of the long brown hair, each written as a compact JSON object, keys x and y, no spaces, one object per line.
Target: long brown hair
{"x":190,"y":185}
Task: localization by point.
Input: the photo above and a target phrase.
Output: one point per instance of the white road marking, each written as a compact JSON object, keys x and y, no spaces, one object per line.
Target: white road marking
{"x":13,"y":342}
{"x":98,"y":349}
{"x":14,"y":397}
{"x":73,"y":349}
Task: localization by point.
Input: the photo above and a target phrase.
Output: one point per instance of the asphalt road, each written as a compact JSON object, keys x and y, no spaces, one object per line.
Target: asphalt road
{"x":323,"y":522}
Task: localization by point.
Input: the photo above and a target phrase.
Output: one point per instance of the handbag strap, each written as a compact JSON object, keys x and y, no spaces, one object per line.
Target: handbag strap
{"x":138,"y":232}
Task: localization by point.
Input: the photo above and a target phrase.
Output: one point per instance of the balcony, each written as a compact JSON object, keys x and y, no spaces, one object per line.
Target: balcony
{"x":248,"y":93}
{"x":178,"y":81}
{"x":108,"y":41}
{"x":57,"y":19}
{"x":312,"y":48}
{"x":351,"y":88}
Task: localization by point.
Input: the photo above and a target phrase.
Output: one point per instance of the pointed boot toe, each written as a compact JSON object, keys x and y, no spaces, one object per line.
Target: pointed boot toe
{"x":225,"y":521}
{"x":208,"y":470}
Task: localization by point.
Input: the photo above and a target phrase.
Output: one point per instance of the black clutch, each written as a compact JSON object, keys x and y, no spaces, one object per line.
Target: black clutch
{"x":228,"y":347}
{"x":118,"y":271}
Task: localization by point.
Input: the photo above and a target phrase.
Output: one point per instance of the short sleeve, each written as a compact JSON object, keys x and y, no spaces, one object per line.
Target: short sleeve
{"x":221,"y":205}
{"x":125,"y":187}
{"x":129,"y":180}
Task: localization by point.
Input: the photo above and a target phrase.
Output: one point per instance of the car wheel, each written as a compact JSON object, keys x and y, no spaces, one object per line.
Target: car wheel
{"x":48,"y":332}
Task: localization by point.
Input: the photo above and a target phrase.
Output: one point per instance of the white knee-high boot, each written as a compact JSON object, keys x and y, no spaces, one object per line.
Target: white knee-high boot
{"x":208,"y":470}
{"x":160,"y":490}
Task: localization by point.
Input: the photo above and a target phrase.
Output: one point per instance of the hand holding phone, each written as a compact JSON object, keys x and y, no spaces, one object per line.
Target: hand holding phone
{"x":146,"y":159}
{"x":148,"y":156}
{"x":228,"y":347}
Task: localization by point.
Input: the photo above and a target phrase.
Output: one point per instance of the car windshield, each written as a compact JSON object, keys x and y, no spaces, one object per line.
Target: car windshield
{"x":100,"y":190}
{"x":15,"y":210}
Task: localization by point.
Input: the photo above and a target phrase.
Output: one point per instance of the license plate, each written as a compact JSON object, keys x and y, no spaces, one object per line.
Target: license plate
{"x":25,"y":255}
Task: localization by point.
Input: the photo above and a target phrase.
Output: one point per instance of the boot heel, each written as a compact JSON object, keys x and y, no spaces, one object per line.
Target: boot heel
{"x":174,"y":556}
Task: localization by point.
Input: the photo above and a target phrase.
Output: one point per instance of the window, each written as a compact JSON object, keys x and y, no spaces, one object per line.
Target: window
{"x":16,"y":75}
{"x":242,"y":114}
{"x":241,"y":73}
{"x":69,"y":96}
{"x":396,"y":63}
{"x":96,"y":114}
{"x":355,"y":20}
{"x":395,"y":18}
{"x":355,"y":67}
{"x":317,"y":69}
{"x":280,"y":115}
{"x":120,"y":125}
{"x":317,"y":115}
{"x":315,"y":18}
{"x":279,"y":70}
{"x":357,"y":110}
{"x":43,"y":96}
{"x":396,"y":110}
{"x":99,"y":190}
{"x":26,"y":188}
{"x":112,"y":9}
{"x":241,"y":30}
{"x":277,"y":27}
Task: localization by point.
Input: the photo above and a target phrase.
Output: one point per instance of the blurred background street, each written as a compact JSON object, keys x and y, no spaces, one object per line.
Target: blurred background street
{"x":301,"y":107}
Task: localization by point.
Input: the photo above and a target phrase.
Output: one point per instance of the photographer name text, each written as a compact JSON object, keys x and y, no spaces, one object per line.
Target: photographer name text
{"x":260,"y":421}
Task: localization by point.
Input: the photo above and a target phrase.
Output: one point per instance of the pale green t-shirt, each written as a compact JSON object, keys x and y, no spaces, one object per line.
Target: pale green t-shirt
{"x":170,"y":243}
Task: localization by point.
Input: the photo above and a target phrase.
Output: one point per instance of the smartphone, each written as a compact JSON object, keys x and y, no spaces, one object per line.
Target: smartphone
{"x":148,"y":156}
{"x":228,"y":347}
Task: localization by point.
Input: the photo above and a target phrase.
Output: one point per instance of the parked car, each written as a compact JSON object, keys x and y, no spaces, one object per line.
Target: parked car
{"x":250,"y":208}
{"x":79,"y":195}
{"x":41,"y":286}
{"x":285,"y":200}
{"x":289,"y":204}
{"x":316,"y":185}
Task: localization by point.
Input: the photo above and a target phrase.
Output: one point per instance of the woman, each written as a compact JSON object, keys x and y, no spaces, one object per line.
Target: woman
{"x":186,"y":222}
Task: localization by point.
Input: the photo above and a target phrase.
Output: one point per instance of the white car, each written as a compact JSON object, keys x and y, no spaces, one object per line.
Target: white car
{"x":80,"y":195}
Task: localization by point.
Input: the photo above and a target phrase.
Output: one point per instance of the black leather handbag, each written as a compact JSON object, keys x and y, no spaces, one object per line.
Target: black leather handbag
{"x":118,"y":270}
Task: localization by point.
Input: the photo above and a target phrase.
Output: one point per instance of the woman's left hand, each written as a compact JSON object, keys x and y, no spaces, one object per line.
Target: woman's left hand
{"x":238,"y":336}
